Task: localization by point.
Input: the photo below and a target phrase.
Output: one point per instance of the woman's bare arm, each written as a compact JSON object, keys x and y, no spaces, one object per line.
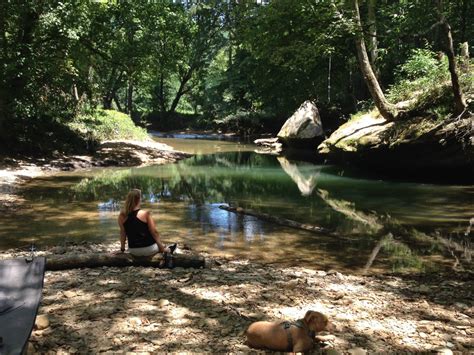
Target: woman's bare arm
{"x":123,"y":235}
{"x":154,"y":233}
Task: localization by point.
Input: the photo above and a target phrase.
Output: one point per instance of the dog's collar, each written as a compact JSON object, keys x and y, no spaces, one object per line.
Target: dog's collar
{"x":301,"y":324}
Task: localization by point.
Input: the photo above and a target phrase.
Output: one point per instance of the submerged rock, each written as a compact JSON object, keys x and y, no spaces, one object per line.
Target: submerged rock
{"x":269,"y":146}
{"x":304,"y":128}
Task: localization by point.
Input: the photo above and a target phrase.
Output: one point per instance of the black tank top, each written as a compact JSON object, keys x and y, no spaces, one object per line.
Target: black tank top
{"x":137,"y":231}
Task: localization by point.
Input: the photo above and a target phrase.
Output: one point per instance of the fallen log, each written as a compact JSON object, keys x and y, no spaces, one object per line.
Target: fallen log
{"x":66,"y":262}
{"x":278,"y":220}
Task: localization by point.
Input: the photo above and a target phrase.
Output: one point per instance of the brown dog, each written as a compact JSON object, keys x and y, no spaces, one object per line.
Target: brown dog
{"x":287,"y":336}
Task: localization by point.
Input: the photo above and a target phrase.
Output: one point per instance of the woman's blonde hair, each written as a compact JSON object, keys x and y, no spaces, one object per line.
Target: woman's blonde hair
{"x":133,"y":197}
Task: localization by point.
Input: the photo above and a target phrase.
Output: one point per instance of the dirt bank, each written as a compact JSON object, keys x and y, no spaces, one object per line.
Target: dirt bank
{"x":15,"y":171}
{"x":140,"y":309}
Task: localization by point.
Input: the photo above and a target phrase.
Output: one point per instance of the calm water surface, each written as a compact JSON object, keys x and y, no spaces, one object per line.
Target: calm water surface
{"x":377,"y":225}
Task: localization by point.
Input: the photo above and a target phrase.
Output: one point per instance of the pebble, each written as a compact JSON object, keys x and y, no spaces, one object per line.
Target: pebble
{"x":70,"y":294}
{"x":357,"y":351}
{"x":135,"y":321}
{"x":163,"y":302}
{"x":41,"y":322}
{"x":425,"y":328}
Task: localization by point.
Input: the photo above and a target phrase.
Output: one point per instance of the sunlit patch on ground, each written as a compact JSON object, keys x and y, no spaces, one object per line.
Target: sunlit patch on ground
{"x":140,"y":309}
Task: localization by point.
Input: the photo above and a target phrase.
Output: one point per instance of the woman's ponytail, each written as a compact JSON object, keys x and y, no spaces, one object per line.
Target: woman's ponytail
{"x":133,"y":197}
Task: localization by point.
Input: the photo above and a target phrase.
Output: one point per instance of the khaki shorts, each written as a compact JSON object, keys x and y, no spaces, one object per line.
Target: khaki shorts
{"x":145,"y":251}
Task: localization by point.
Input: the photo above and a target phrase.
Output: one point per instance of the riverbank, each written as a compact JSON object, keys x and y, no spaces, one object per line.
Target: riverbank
{"x":19,"y":170}
{"x":137,"y":309}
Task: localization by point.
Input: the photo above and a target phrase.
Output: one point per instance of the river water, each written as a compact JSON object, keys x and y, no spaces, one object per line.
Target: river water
{"x":376,"y":225}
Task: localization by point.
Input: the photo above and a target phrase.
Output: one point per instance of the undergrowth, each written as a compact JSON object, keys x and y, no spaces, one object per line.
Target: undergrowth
{"x":101,"y":125}
{"x":247,"y":122}
{"x":424,"y":79}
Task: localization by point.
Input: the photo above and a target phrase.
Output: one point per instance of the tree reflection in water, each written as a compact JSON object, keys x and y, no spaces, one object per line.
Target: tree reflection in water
{"x":360,"y":211}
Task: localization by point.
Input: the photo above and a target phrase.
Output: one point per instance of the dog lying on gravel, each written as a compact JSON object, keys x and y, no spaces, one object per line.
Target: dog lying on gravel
{"x":288,"y":336}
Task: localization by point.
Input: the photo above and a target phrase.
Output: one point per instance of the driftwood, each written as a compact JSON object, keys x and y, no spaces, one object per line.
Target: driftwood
{"x":65,"y":262}
{"x":277,"y":220}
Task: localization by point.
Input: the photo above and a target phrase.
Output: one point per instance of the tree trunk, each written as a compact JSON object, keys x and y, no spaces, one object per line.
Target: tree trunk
{"x":465,"y":57}
{"x":386,"y":109}
{"x":112,"y":89}
{"x":108,"y":96}
{"x":329,"y":78}
{"x":66,"y":262}
{"x":464,"y":14}
{"x":117,"y":102}
{"x":161,"y":97}
{"x":459,"y":102}
{"x":75,"y":93}
{"x":372,"y":32}
{"x":181,"y":90}
{"x":129,"y":106}
{"x":107,"y":101}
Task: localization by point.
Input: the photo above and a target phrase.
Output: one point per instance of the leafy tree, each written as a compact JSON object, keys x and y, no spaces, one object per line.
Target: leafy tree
{"x":185,"y":42}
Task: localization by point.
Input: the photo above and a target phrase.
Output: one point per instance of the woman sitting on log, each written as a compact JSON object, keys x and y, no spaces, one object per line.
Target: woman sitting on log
{"x":137,"y":226}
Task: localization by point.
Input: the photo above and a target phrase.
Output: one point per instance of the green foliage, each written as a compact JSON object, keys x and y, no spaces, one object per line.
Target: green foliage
{"x":101,"y":125}
{"x":281,"y":56}
{"x":241,"y":122}
{"x":424,"y":79}
{"x":420,"y":73}
{"x":245,"y":122}
{"x":223,"y":60}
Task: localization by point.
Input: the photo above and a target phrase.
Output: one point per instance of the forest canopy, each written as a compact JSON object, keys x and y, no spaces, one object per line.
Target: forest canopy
{"x":229,"y":64}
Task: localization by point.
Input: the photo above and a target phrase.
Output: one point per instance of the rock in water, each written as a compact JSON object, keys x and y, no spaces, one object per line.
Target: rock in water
{"x":417,"y":146}
{"x":304,"y":128}
{"x":269,"y":146}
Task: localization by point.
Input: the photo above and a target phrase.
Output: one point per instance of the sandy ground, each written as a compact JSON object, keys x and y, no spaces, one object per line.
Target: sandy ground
{"x":146,"y":310}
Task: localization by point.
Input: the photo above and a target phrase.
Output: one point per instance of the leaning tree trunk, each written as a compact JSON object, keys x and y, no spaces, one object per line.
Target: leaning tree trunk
{"x":278,"y":220}
{"x":459,"y":102}
{"x":386,"y":109}
{"x":181,"y":90}
{"x":372,"y":32}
